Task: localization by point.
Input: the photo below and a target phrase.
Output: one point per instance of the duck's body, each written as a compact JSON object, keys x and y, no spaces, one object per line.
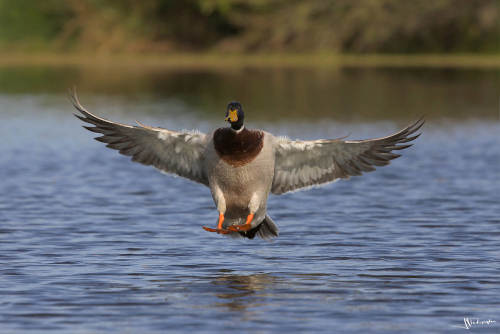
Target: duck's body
{"x":240,"y":170}
{"x":241,"y":166}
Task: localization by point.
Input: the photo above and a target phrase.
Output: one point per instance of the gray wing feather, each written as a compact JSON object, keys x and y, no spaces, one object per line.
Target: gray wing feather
{"x":302,"y":164}
{"x":180,"y":153}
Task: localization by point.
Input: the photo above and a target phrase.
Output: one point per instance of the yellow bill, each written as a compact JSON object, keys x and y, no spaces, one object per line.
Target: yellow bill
{"x":232,"y":116}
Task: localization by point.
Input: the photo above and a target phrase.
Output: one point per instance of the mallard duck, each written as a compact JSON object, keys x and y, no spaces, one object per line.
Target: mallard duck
{"x":242,"y":166}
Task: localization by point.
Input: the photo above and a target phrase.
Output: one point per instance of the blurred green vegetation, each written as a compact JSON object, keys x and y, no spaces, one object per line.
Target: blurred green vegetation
{"x":251,"y":26}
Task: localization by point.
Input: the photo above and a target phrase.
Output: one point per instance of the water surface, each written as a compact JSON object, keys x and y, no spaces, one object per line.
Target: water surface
{"x":91,"y":242}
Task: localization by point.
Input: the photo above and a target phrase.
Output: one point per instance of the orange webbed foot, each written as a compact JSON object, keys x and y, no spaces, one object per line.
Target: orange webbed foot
{"x":244,"y":227}
{"x":219,"y":228}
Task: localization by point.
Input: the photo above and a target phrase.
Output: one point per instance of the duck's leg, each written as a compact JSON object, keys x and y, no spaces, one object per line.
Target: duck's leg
{"x":244,"y":227}
{"x":220,"y":202}
{"x":219,"y":228}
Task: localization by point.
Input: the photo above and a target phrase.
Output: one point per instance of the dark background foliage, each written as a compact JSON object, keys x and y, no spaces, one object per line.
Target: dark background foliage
{"x":344,"y":26}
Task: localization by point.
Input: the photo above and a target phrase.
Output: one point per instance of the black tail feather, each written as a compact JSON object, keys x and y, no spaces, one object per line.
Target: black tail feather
{"x":266,"y":230}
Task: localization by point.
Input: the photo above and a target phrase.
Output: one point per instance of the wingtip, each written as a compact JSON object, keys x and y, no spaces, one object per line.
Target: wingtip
{"x":414,"y":127}
{"x":73,"y":96}
{"x":418,"y":124}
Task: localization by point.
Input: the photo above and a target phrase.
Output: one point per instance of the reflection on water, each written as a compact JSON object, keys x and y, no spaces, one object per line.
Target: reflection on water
{"x":91,"y":242}
{"x":241,"y":289}
{"x":282,"y":94}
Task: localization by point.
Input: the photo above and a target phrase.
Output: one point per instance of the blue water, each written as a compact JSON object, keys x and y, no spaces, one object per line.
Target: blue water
{"x":93,"y":243}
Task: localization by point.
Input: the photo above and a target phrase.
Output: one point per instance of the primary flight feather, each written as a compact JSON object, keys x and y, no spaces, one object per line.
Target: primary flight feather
{"x":241,"y":166}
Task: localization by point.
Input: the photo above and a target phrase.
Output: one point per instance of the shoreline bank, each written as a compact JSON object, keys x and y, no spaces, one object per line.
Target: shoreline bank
{"x":224,"y":61}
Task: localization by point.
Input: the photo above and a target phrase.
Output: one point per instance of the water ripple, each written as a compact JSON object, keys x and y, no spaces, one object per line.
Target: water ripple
{"x":90,"y":242}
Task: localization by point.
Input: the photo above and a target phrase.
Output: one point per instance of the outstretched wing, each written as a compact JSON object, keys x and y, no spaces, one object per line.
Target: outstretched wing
{"x":180,"y":153}
{"x":301,"y":164}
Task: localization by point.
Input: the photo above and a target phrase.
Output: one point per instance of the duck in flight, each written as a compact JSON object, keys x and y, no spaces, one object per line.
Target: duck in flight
{"x":242,"y":166}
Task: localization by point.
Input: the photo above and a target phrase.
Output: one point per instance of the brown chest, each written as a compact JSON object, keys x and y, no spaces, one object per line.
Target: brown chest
{"x":238,"y":148}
